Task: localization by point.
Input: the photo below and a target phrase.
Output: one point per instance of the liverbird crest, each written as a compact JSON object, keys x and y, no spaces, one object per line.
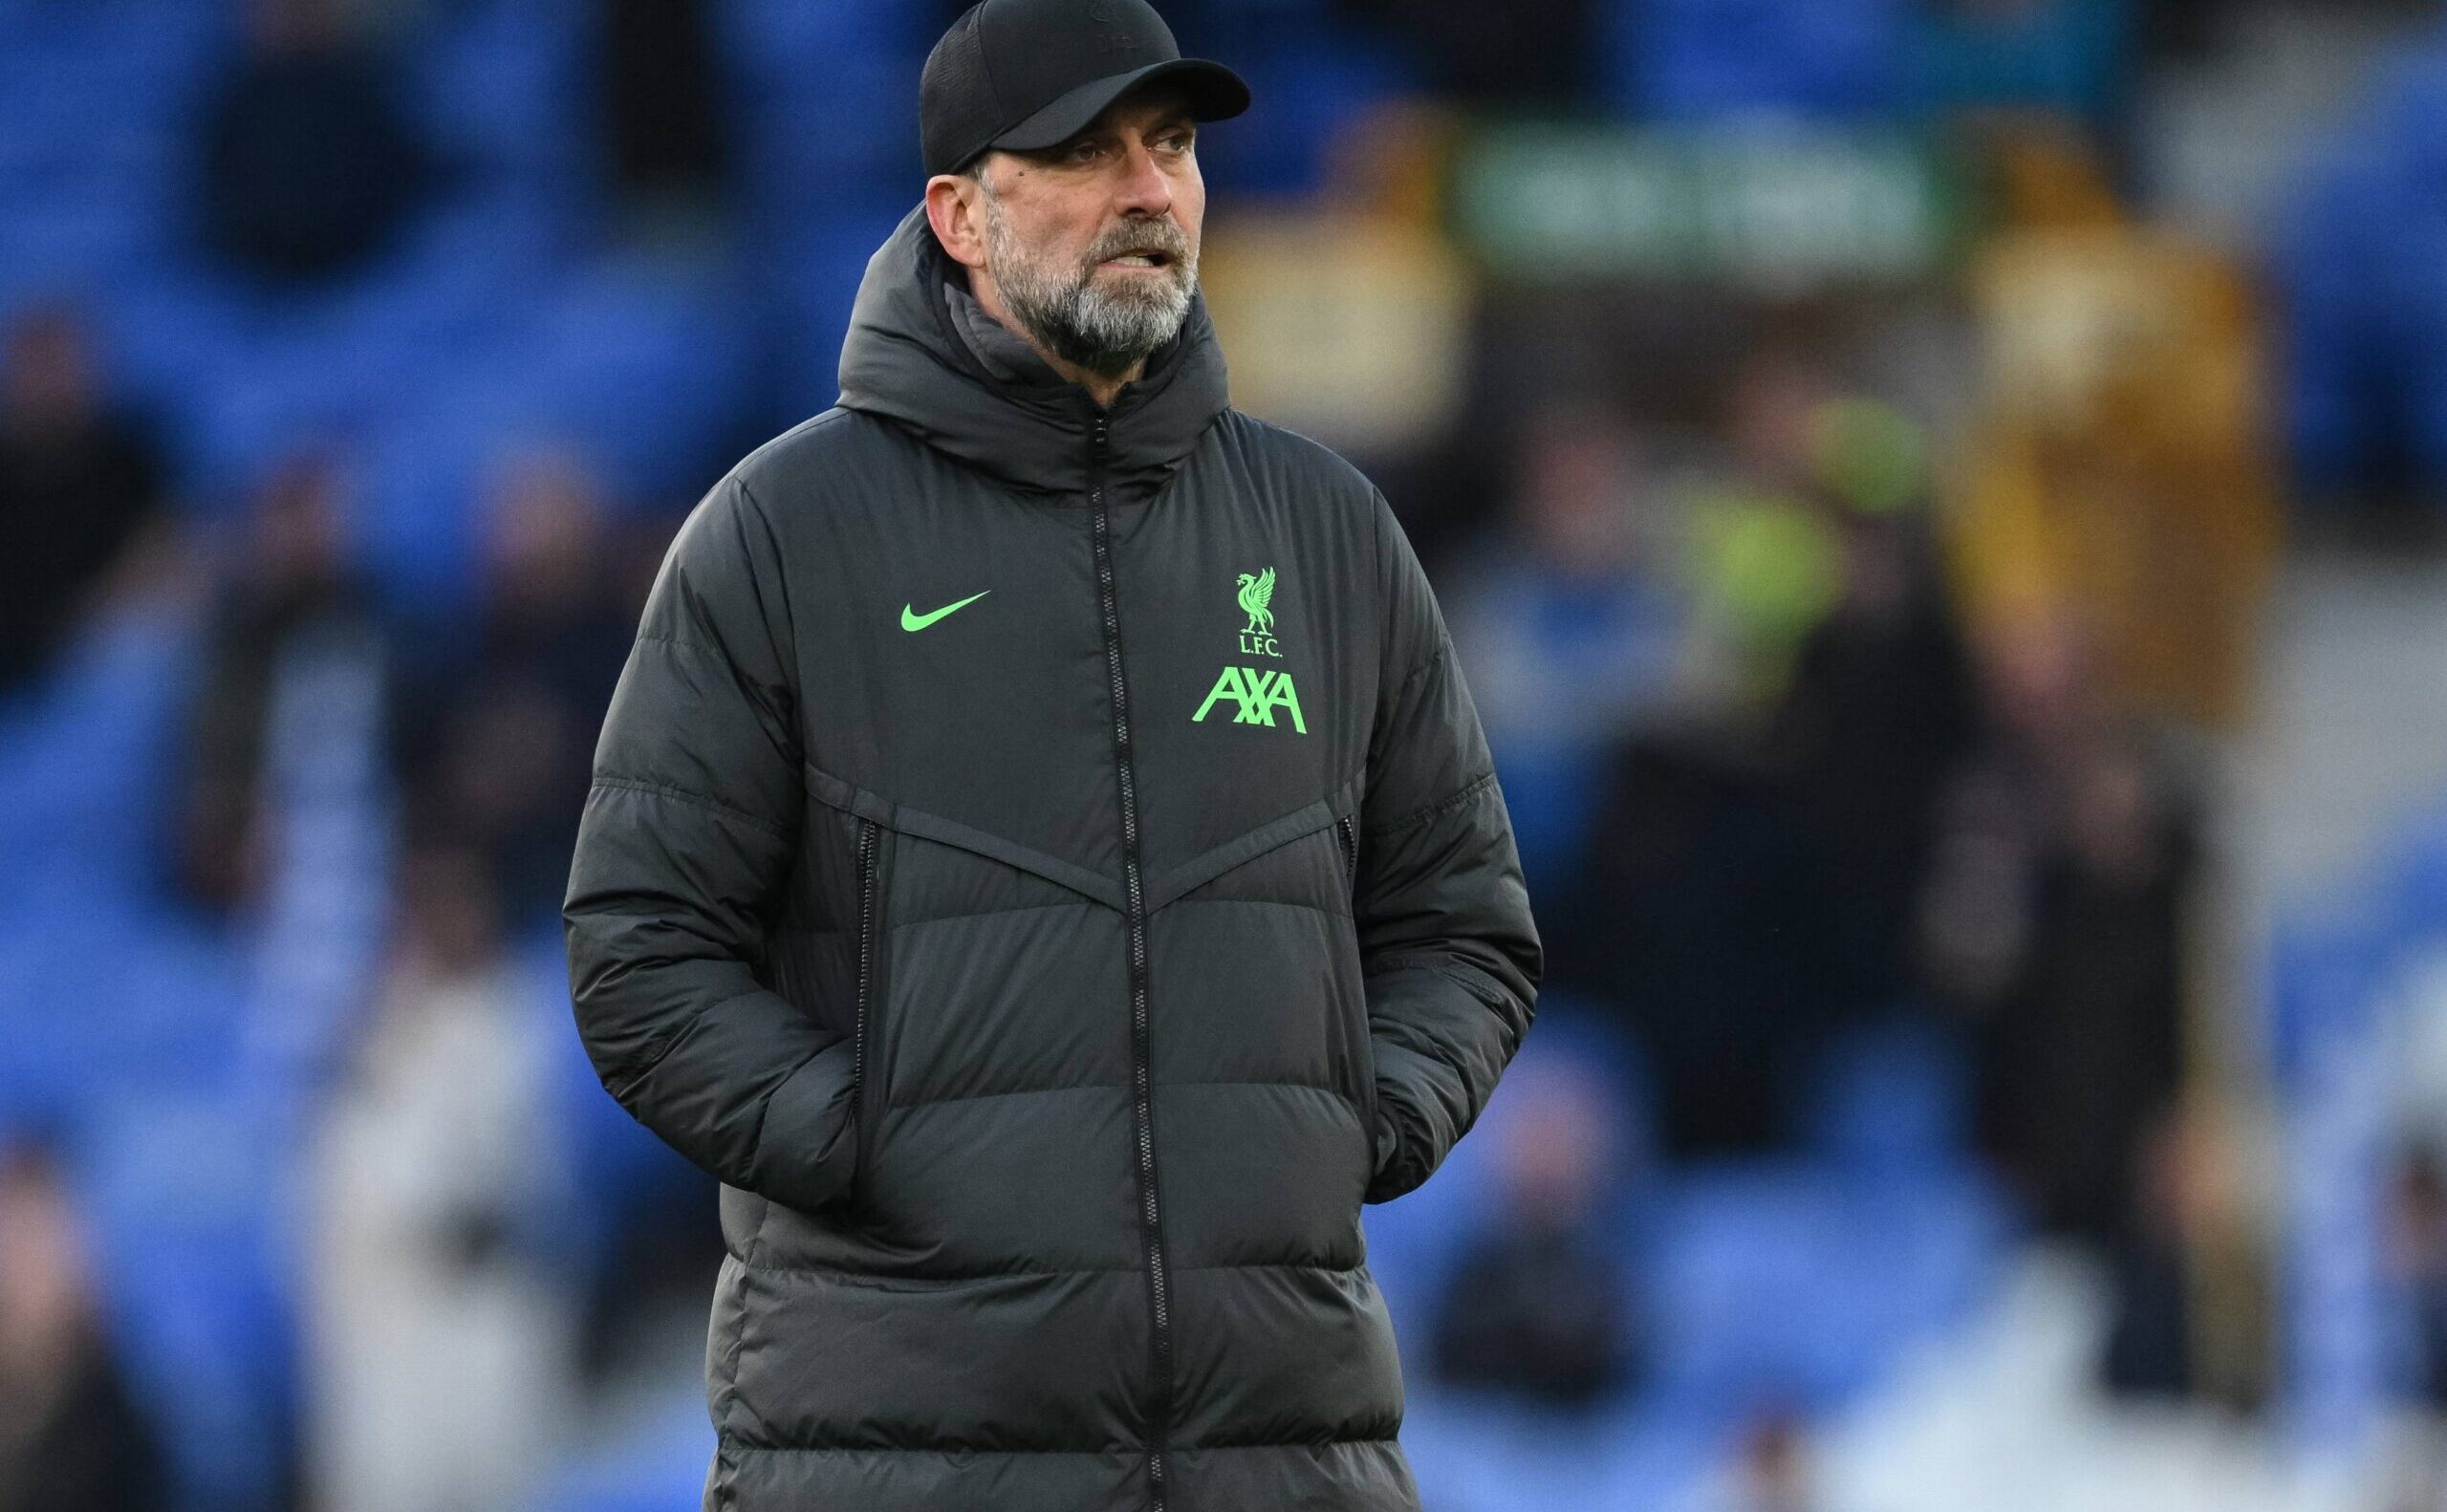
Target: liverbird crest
{"x":1256,"y":592}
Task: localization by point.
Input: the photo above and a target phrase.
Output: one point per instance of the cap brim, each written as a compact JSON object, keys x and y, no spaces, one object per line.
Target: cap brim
{"x":1215,"y":93}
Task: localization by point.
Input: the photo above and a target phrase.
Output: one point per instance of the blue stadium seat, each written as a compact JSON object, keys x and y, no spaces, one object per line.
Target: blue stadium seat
{"x":2408,"y":106}
{"x":653,"y":370}
{"x":2331,"y":307}
{"x":826,"y":102}
{"x":1890,"y":1099}
{"x":657,"y":1465}
{"x":1311,"y":83}
{"x":187,"y":1214}
{"x":54,"y":985}
{"x":266,"y":404}
{"x":791,"y":35}
{"x":92,"y":233}
{"x":497,"y":87}
{"x":169,"y":332}
{"x":110,"y":996}
{"x":1709,"y":59}
{"x":2325,"y":966}
{"x":1783,"y":1282}
{"x":1478,"y":1454}
{"x":812,"y":278}
{"x":648,"y":371}
{"x":2416,"y":868}
{"x":1551,"y":788}
{"x":842,"y":128}
{"x":2356,"y":251}
{"x":415,"y":522}
{"x":98,"y":740}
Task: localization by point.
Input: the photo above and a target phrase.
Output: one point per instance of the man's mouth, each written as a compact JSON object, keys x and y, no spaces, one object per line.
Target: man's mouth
{"x":1145,"y":258}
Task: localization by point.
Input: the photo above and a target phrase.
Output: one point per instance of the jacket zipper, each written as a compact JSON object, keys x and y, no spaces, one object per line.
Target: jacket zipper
{"x":1347,"y":830}
{"x":866,"y":967}
{"x":1142,"y":1109}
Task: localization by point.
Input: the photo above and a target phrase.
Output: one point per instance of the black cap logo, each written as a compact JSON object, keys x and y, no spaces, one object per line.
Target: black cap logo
{"x":1115,"y":36}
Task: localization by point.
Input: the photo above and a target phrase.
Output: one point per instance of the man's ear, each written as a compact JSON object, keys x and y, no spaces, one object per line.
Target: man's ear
{"x":955,"y":207}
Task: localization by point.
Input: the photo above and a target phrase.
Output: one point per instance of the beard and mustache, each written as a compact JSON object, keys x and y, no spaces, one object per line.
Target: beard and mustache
{"x":1106,"y":328}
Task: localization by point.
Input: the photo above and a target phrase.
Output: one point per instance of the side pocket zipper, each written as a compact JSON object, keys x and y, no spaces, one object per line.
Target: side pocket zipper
{"x":1347,"y":830}
{"x":866,"y":967}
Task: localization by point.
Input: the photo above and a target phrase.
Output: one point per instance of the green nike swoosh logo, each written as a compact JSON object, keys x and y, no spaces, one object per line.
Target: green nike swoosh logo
{"x":911,"y":619}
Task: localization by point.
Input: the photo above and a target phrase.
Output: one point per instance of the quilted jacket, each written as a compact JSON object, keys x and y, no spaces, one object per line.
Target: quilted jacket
{"x":1044,"y":863}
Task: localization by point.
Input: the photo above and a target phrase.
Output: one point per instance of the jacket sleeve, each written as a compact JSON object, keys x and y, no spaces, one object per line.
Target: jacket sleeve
{"x":1450,"y":953}
{"x":690,"y":835}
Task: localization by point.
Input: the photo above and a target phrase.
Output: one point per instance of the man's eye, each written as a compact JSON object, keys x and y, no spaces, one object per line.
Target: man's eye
{"x":1083,"y":152}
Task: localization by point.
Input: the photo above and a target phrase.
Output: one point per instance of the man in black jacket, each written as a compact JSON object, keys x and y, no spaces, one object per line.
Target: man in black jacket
{"x":1042,"y":858}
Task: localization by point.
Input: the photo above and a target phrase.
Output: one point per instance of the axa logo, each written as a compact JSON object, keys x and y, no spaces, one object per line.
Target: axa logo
{"x":1256,"y":693}
{"x":1259,"y":693}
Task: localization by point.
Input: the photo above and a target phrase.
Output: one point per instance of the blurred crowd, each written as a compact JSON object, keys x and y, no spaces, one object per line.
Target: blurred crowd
{"x":441,"y":1305}
{"x":1854,"y":662}
{"x":1777,"y":795}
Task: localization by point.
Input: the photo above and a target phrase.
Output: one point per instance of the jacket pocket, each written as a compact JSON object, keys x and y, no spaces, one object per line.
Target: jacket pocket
{"x":1348,"y":831}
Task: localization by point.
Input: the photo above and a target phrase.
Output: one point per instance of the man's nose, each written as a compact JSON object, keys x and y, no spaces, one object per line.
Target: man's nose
{"x":1143,"y":186}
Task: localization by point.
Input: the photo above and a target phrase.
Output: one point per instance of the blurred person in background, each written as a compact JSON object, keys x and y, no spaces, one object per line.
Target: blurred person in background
{"x":2116,"y":470}
{"x":307,"y":166}
{"x":2148,"y":1351}
{"x":1698,"y":916}
{"x":2056,"y":917}
{"x":1768,"y":549}
{"x":2169,"y":1211}
{"x":1754,"y":876}
{"x":1575,"y":618}
{"x":1775,"y":1471}
{"x":72,"y":1438}
{"x":1542,"y":55}
{"x":2414,"y":1256}
{"x":909,"y":800}
{"x":2416,"y":1263}
{"x":669,"y":140}
{"x":1772,"y":1467}
{"x":1777,"y":1475}
{"x":286,"y":597}
{"x":1535,"y":1310}
{"x":442,"y":1353}
{"x":80,"y":477}
{"x":1882,"y":708}
{"x":496,"y":745}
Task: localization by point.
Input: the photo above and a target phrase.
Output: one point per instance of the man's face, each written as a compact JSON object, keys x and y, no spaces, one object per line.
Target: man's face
{"x":1093,"y":244}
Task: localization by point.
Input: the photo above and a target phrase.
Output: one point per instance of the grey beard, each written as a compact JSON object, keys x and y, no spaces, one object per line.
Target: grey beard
{"x":1104,"y":331}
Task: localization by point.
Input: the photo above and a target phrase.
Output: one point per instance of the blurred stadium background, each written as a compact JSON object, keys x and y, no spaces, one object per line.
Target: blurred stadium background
{"x":1941,"y":502}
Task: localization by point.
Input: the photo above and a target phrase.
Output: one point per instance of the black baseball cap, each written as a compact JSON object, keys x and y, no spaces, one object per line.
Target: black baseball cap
{"x":1030,"y":73}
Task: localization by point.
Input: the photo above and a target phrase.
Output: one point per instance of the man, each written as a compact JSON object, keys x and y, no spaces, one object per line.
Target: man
{"x":1044,"y":859}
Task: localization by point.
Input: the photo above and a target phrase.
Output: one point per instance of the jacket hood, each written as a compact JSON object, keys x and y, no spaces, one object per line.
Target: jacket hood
{"x":922,"y":351}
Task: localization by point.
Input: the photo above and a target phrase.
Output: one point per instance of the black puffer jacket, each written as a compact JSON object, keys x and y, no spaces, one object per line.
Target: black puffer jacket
{"x":1049,"y":980}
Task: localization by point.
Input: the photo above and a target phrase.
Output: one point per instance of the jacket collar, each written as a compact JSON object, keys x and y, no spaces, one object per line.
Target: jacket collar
{"x":922,"y":352}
